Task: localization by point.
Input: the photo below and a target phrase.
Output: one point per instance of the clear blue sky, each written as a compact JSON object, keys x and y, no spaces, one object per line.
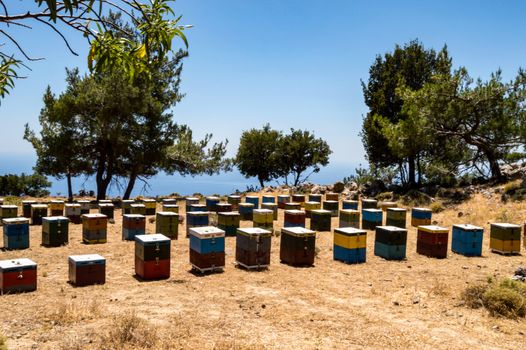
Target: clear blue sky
{"x":293,"y":63}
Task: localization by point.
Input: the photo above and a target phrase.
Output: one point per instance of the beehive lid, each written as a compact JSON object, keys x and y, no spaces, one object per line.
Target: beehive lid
{"x":55,"y":218}
{"x":268,"y":196}
{"x":157,"y":237}
{"x":105,"y":201}
{"x":298,"y":231}
{"x":149,"y":200}
{"x":134,"y":216}
{"x":86,"y":258}
{"x":350,"y":201}
{"x":321,"y":211}
{"x":166,"y":213}
{"x":128,"y":201}
{"x":198,"y":205}
{"x":169,"y":200}
{"x":207,"y":232}
{"x":253,"y":231}
{"x":94,"y":216}
{"x":391,"y":228}
{"x":55,"y":201}
{"x":16,"y":263}
{"x":312,"y":202}
{"x":234,"y":196}
{"x":468,"y":227}
{"x":293,"y":203}
{"x":15,"y":221}
{"x":28,"y":202}
{"x":170,"y":205}
{"x":294,"y":212}
{"x":213,"y":198}
{"x":263,"y":211}
{"x":192,"y":198}
{"x":228,"y":213}
{"x":427,"y":210}
{"x":246,"y":204}
{"x":72,"y":205}
{"x":369,"y":200}
{"x":350,"y":231}
{"x":197,"y":213}
{"x":253,"y":197}
{"x":349,"y":211}
{"x":330,"y":201}
{"x":432,"y":228}
{"x":284,"y":196}
{"x":371,"y":210}
{"x":83,"y":201}
{"x":107,"y":205}
{"x":315,"y":194}
{"x":389,"y":203}
{"x":8,"y":206}
{"x":505,"y":225}
{"x":39,"y":206}
{"x":137,"y":205}
{"x":397,"y":209}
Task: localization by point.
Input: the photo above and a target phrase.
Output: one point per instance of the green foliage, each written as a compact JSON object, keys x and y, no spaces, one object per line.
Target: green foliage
{"x":436,"y":207}
{"x":24,"y":185}
{"x":506,"y":298}
{"x":300,"y":151}
{"x":364,"y":176}
{"x":257,"y":155}
{"x":384,"y":196}
{"x":511,"y":187}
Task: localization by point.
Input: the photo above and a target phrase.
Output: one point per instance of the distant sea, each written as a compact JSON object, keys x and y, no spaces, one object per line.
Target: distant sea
{"x":163,"y":184}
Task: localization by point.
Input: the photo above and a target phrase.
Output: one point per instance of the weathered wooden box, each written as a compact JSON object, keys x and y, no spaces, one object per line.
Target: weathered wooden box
{"x":55,"y":231}
{"x":310,"y":206}
{"x":26,"y":208}
{"x":369,"y":203}
{"x":505,"y":238}
{"x":56,"y":208}
{"x":86,"y":270}
{"x":371,"y":218}
{"x":196,"y":219}
{"x":396,"y":217}
{"x":167,"y":223}
{"x":138,"y":208}
{"x":332,"y":206}
{"x":150,"y":206}
{"x":282,"y":199}
{"x":228,"y":222}
{"x":211,"y":203}
{"x":349,"y":204}
{"x":133,"y":225}
{"x":253,"y":247}
{"x":421,"y":217}
{"x":349,"y":218}
{"x":38,"y":211}
{"x":207,"y":248}
{"x":320,"y":220}
{"x":390,"y":242}
{"x":432,"y":241}
{"x":263,"y":218}
{"x":16,"y":233}
{"x":294,"y":218}
{"x":107,"y":209}
{"x":234,"y":200}
{"x":254,"y":200}
{"x":94,"y":228}
{"x":273,"y":207}
{"x":246,"y":210}
{"x":72,"y":212}
{"x":297,"y":246}
{"x":315,"y":197}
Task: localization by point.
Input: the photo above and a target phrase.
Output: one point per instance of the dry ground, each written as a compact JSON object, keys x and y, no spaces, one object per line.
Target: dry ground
{"x":380,"y":304}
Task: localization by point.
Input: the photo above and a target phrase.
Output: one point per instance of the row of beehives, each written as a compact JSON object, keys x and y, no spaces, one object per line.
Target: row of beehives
{"x":253,"y":250}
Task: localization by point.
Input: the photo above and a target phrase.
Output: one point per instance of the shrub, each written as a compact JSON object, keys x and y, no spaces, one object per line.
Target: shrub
{"x":131,"y":331}
{"x":415,"y":198}
{"x":3,"y":342}
{"x":436,"y":207}
{"x":385,"y":196}
{"x":506,"y":298}
{"x":511,"y":187}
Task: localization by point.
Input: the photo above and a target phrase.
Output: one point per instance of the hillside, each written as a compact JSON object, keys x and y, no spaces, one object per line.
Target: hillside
{"x":379,"y":304}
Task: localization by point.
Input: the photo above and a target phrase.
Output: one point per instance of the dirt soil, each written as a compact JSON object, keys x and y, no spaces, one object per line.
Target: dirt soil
{"x":380,"y":304}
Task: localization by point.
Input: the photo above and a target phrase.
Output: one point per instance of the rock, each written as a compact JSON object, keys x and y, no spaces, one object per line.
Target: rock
{"x":396,"y":303}
{"x":415,"y":299}
{"x":465,"y":267}
{"x":460,"y":214}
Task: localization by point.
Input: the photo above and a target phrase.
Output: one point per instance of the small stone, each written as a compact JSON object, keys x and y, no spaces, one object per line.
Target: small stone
{"x":465,"y":267}
{"x":415,"y":299}
{"x":396,"y":303}
{"x":460,"y":214}
{"x":263,"y":306}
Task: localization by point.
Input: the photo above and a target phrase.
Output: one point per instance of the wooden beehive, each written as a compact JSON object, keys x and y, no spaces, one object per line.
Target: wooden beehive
{"x":386,"y":205}
{"x":133,"y":225}
{"x":197,"y":208}
{"x":371,"y":218}
{"x":294,"y":218}
{"x":8,"y":211}
{"x":167,"y":223}
{"x":16,"y":233}
{"x":26,"y":208}
{"x":126,"y":205}
{"x":94,"y":228}
{"x":369,"y":203}
{"x":228,"y":222}
{"x":467,"y":240}
{"x":189,"y":201}
{"x":55,"y":231}
{"x":390,"y":242}
{"x":246,"y":211}
{"x":86,"y":270}
{"x":84,"y":206}
{"x":320,"y":220}
{"x":38,"y":211}
{"x":211,"y":203}
{"x":349,"y":245}
{"x":349,"y":218}
{"x":396,"y":217}
{"x":234,"y":200}
{"x":292,"y":206}
{"x":152,"y":256}
{"x":254,"y":200}
{"x":207,"y":248}
{"x":150,"y":206}
{"x":310,"y":206}
{"x":282,"y":199}
{"x":268,"y":199}
{"x":332,"y":206}
{"x":18,"y":275}
{"x":107,"y":209}
{"x":332,"y":196}
{"x":273,"y":207}
{"x":505,"y":238}
{"x":253,"y":247}
{"x":174,"y":208}
{"x":137,"y":208}
{"x":420,"y":217}
{"x":196,"y":219}
{"x":298,"y":198}
{"x":224,"y":207}
{"x":72,"y":212}
{"x":263,"y":218}
{"x":315,"y":197}
{"x":349,"y":204}
{"x":56,"y":208}
{"x":432,"y":241}
{"x":297,"y":246}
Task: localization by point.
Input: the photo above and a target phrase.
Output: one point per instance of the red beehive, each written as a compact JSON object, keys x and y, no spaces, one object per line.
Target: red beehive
{"x":18,"y":275}
{"x":85,"y":270}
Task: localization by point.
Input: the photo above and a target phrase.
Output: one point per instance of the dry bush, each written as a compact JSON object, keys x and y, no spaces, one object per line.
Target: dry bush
{"x":128,"y":332}
{"x":440,"y":288}
{"x":72,"y":312}
{"x":436,"y":207}
{"x":511,"y":187}
{"x":3,"y":342}
{"x":506,"y":298}
{"x":232,"y":345}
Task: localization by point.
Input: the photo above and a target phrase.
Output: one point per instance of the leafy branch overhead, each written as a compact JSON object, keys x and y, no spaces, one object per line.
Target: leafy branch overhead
{"x":153,"y":21}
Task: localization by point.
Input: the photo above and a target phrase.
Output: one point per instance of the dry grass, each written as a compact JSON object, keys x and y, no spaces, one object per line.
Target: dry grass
{"x":411,"y":304}
{"x":3,"y":342}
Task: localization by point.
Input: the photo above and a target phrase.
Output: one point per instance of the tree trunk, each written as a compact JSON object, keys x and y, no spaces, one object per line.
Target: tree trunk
{"x":297,"y":179}
{"x":493,"y":165}
{"x":129,"y":188}
{"x":261,"y":183}
{"x":70,"y":188}
{"x":419,"y":169}
{"x":411,"y":172}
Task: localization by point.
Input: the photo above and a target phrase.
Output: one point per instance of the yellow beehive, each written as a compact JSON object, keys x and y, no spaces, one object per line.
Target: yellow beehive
{"x":351,"y":242}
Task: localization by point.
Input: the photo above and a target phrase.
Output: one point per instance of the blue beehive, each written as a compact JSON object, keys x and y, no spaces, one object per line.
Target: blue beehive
{"x":254,"y":200}
{"x":211,"y":203}
{"x":209,"y":240}
{"x":390,"y":242}
{"x":371,"y":218}
{"x":350,"y":245}
{"x":349,"y":204}
{"x":246,"y":210}
{"x":16,"y":233}
{"x":467,"y":240}
{"x":268,"y":199}
{"x":420,"y":217}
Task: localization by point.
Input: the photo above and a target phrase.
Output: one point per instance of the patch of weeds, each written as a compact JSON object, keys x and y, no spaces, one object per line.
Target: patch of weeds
{"x":129,"y":330}
{"x":503,"y":216}
{"x":506,"y":298}
{"x":436,"y":207}
{"x":416,"y":198}
{"x":3,"y":342}
{"x":385,"y":196}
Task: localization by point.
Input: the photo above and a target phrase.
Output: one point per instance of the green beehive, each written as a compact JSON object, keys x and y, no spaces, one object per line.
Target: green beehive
{"x":320,"y":220}
{"x":38,"y":211}
{"x":8,"y":211}
{"x":396,"y":217}
{"x":138,"y":208}
{"x":271,"y":206}
{"x":55,"y":231}
{"x":263,"y":218}
{"x":26,"y":208}
{"x":349,"y":218}
{"x":106,"y":209}
{"x":174,"y":208}
{"x":228,"y":222}
{"x":167,"y":223}
{"x":126,"y":205}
